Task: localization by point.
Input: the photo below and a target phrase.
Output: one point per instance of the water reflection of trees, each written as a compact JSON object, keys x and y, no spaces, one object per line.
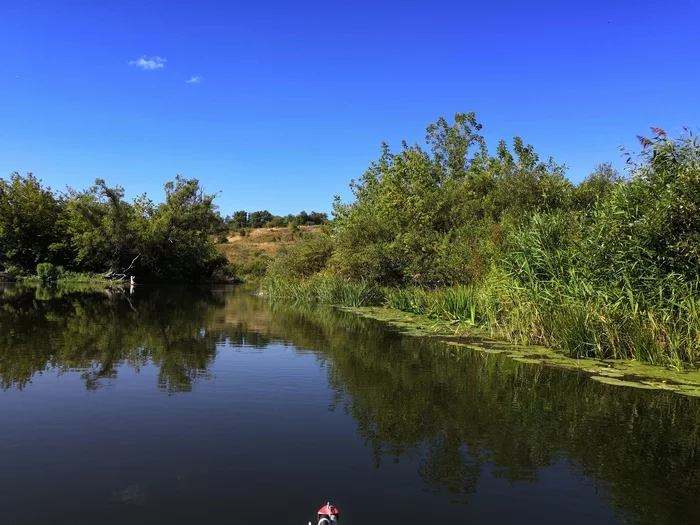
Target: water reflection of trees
{"x":95,"y":332}
{"x":457,"y":411}
{"x":177,"y":329}
{"x":459,"y":415}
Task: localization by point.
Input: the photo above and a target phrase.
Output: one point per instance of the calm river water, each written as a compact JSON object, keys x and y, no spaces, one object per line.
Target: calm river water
{"x":211,"y":406}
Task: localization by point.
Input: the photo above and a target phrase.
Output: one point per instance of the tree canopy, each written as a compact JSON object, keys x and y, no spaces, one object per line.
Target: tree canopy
{"x":98,"y":230}
{"x":452,"y":212}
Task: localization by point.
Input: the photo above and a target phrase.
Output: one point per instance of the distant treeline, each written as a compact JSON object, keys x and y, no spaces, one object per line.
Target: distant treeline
{"x":265,"y":219}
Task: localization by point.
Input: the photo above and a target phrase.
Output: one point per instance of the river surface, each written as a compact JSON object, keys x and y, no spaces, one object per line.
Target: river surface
{"x":212,"y":406}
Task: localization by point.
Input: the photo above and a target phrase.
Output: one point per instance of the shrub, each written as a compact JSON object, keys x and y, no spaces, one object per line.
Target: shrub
{"x":304,"y":259}
{"x":255,"y":267}
{"x":48,"y":272}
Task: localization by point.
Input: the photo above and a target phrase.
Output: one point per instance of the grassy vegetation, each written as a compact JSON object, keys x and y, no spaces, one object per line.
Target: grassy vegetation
{"x":325,"y":289}
{"x":48,"y":274}
{"x":250,"y":251}
{"x":576,"y":321}
{"x":66,"y":278}
{"x":572,"y":319}
{"x":608,"y":268}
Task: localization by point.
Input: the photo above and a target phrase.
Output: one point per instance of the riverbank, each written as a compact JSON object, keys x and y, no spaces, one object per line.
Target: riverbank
{"x":96,"y":279}
{"x":618,"y":372}
{"x":606,"y":268}
{"x":637,"y":346}
{"x":73,"y":278}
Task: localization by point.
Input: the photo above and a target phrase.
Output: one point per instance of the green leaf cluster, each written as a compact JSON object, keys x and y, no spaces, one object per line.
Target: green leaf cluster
{"x":98,"y":230}
{"x":434,"y":215}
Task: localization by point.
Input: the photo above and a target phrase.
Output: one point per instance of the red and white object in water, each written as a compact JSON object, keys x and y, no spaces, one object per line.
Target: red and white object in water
{"x":328,"y":514}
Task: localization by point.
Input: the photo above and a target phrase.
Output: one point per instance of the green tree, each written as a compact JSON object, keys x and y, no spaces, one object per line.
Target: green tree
{"x":317,"y":218}
{"x":275,"y":222}
{"x":239,"y":220}
{"x":257,"y":219}
{"x":30,"y":231}
{"x":100,"y":226}
{"x":429,"y":215}
{"x":175,"y":237}
{"x":595,"y":188}
{"x":524,"y":185}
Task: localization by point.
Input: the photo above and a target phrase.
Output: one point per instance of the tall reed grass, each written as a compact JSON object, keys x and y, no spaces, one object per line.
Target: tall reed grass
{"x":458,"y":304}
{"x":571,"y":318}
{"x":325,"y":289}
{"x":570,"y":315}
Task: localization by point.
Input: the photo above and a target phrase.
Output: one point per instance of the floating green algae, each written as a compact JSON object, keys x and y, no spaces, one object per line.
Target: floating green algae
{"x":623,"y":373}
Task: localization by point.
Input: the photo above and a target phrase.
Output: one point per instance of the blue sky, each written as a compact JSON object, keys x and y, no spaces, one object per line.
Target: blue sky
{"x":294,"y":98}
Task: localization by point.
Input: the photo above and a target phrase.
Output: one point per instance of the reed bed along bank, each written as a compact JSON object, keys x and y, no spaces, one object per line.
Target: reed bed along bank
{"x":570,"y":317}
{"x":607,"y":267}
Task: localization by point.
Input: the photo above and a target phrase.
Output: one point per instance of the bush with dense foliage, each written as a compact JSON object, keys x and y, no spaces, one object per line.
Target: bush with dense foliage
{"x":97,"y":230}
{"x":304,"y":259}
{"x":609,"y":267}
{"x":48,"y":272}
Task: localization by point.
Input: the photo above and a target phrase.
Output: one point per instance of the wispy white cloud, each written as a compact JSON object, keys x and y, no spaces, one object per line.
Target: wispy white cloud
{"x":194,"y":80}
{"x":149,"y":64}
